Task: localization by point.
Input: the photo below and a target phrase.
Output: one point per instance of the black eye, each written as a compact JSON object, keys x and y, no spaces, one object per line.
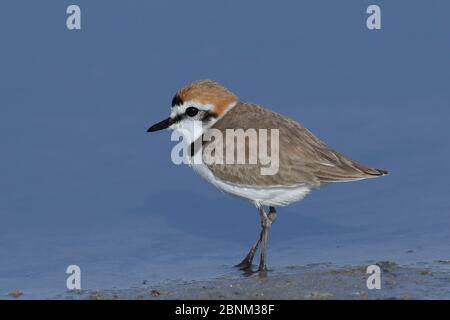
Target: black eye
{"x":191,"y":111}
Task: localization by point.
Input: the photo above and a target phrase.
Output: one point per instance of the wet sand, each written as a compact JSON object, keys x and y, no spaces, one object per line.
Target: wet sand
{"x":314,"y":281}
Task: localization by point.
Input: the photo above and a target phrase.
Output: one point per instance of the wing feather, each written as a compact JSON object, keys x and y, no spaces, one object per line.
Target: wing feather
{"x":303,"y":158}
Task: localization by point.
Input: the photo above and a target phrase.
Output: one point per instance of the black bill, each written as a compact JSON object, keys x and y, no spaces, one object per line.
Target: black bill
{"x":161,"y":125}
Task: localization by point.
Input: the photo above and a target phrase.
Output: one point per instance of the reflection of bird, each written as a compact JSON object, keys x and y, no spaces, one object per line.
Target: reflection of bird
{"x":305,"y":163}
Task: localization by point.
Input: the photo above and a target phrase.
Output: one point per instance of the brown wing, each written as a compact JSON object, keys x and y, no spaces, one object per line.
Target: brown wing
{"x":303,"y":158}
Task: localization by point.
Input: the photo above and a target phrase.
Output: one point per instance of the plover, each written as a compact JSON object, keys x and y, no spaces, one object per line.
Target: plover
{"x":305,"y":162}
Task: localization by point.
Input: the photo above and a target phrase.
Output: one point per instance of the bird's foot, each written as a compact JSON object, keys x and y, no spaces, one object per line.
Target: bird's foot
{"x":245,"y":264}
{"x":262,"y":268}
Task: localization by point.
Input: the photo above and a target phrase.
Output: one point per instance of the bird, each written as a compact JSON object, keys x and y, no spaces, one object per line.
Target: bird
{"x":305,"y":163}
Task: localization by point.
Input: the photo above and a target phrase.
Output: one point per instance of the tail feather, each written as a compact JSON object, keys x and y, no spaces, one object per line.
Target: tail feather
{"x":376,"y":172}
{"x":382,"y":172}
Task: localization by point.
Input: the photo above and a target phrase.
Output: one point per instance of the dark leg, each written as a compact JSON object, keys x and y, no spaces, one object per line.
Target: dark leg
{"x":266,"y":221}
{"x":246,"y":263}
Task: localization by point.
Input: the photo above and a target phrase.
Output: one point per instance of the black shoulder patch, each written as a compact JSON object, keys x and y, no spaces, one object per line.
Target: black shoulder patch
{"x":176,"y":100}
{"x":209,"y":115}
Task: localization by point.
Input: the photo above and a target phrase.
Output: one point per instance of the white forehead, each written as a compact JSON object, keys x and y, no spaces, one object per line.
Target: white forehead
{"x":181,"y":108}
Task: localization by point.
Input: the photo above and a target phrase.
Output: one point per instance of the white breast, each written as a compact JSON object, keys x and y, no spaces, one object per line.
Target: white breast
{"x":272,"y":196}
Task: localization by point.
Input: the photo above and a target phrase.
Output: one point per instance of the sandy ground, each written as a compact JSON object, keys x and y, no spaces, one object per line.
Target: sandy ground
{"x":315,"y":281}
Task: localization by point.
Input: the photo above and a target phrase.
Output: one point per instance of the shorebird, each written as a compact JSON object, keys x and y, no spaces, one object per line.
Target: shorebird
{"x":305,"y":162}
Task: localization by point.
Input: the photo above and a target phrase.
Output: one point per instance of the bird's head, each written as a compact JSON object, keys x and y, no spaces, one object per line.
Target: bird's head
{"x":201,"y":102}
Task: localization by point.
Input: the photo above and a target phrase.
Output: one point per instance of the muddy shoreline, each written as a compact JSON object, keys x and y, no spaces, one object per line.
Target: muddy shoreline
{"x":314,"y":281}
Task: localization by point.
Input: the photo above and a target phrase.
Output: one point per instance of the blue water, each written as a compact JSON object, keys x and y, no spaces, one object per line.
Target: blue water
{"x":81,"y":182}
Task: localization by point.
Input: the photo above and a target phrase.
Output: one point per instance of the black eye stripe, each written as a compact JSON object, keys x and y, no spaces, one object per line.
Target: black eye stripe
{"x":178,"y":118}
{"x":176,"y":101}
{"x":207,"y":116}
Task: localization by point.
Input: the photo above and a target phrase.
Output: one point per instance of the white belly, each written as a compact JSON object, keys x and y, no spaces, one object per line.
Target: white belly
{"x":273,"y":196}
